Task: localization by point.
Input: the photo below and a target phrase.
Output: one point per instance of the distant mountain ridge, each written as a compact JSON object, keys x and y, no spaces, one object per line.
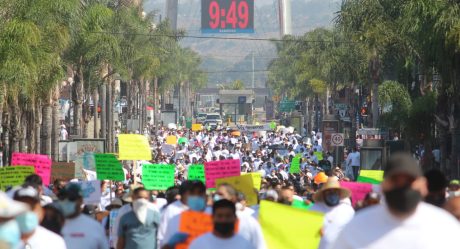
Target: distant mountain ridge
{"x":235,"y":57}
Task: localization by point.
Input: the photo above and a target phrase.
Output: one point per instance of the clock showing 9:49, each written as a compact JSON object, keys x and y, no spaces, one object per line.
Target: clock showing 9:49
{"x":227,"y":16}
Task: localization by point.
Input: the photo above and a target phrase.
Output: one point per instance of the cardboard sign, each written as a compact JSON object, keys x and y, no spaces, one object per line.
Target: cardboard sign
{"x":358,"y":190}
{"x":133,"y":147}
{"x":42,"y":164}
{"x":171,"y":140}
{"x":371,"y":176}
{"x":91,"y":191}
{"x":288,"y":227}
{"x":295,"y":165}
{"x":196,"y":172}
{"x":63,"y":171}
{"x":220,"y":169}
{"x":197,"y":127}
{"x":108,"y":167}
{"x":14,"y":176}
{"x":194,"y":224}
{"x":253,"y":128}
{"x":158,"y":176}
{"x":242,"y":184}
{"x":256,"y":179}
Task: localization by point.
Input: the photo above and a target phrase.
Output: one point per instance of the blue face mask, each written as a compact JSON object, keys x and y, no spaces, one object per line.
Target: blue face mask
{"x":67,"y":207}
{"x":217,"y":198}
{"x":10,"y":233}
{"x":196,"y":203}
{"x":27,"y":222}
{"x":332,"y":199}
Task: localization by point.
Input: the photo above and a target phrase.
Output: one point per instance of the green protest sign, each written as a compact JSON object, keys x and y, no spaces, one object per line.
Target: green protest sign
{"x":12,"y":176}
{"x":108,"y":167}
{"x":295,"y":165}
{"x":158,"y":176}
{"x":196,"y":172}
{"x":371,"y":176}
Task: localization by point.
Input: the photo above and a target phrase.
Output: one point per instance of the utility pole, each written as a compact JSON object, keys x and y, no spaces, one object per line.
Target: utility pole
{"x":285,"y":17}
{"x":171,"y":13}
{"x":253,"y":76}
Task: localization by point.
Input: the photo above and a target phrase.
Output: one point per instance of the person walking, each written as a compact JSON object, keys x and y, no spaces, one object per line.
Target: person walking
{"x":404,"y":221}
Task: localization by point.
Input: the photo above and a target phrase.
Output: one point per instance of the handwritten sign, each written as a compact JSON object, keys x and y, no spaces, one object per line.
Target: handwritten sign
{"x":158,"y":176}
{"x":14,"y":176}
{"x":288,"y":227}
{"x":220,"y":169}
{"x":242,"y":184}
{"x":197,"y":127}
{"x":108,"y":167}
{"x":295,"y":165}
{"x":171,"y":140}
{"x":358,"y":190}
{"x":319,"y":155}
{"x":91,"y":191}
{"x":256,"y":179}
{"x":42,"y":164}
{"x":371,"y":176}
{"x":194,"y":224}
{"x":196,"y":172}
{"x":63,"y":171}
{"x":133,"y":147}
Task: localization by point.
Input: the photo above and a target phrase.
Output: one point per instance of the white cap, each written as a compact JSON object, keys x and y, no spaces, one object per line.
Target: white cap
{"x":10,"y":208}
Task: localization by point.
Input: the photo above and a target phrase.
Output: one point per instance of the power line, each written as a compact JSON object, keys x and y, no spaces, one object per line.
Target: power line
{"x":225,"y":38}
{"x":237,"y":71}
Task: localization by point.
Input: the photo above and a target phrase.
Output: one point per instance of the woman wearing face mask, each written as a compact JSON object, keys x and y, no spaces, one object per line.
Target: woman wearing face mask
{"x":334,"y":202}
{"x":32,"y":234}
{"x":10,"y":235}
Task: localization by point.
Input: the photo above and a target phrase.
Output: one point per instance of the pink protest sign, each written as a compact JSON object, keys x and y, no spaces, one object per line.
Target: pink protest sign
{"x":220,"y":169}
{"x":41,"y":163}
{"x":358,"y":190}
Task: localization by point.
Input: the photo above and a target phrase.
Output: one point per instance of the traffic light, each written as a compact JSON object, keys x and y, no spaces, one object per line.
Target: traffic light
{"x":364,"y":111}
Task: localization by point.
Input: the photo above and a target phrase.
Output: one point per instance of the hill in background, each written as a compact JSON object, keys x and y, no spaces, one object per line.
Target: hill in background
{"x":229,"y":60}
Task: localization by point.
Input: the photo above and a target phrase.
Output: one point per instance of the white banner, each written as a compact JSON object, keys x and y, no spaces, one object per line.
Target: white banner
{"x":253,"y":128}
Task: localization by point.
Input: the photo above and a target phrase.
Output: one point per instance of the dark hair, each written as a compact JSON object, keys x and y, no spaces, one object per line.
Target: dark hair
{"x":53,"y":219}
{"x":33,"y":180}
{"x":437,"y":181}
{"x":224,"y":203}
{"x":138,"y":190}
{"x":193,"y":185}
{"x":171,"y":193}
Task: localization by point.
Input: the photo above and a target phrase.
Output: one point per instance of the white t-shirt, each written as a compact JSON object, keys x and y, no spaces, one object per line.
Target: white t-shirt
{"x":335,"y":219}
{"x":44,"y":239}
{"x":172,"y":210}
{"x":376,"y":228}
{"x":354,"y":159}
{"x":210,"y":241}
{"x":84,"y":232}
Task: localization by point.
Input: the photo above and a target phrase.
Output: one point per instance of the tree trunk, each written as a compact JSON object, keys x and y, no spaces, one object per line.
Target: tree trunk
{"x":109,"y":106}
{"x":15,"y":124}
{"x":6,"y":136}
{"x":96,"y":104}
{"x":103,"y":95}
{"x":23,"y":132}
{"x":31,"y":129}
{"x":47,"y":129}
{"x":38,"y":121}
{"x":55,"y":127}
{"x":86,"y":116}
{"x":78,"y":94}
{"x":374,"y":68}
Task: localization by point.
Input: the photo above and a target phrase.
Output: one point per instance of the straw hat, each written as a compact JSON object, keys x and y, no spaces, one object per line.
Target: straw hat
{"x":332,"y":183}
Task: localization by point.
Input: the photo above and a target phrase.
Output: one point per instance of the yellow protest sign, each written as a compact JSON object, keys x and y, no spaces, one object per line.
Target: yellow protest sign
{"x":243,"y":184}
{"x":171,"y":140}
{"x":133,"y":147}
{"x":288,"y":227}
{"x":197,"y":127}
{"x":256,"y":179}
{"x":371,"y":176}
{"x":14,"y":176}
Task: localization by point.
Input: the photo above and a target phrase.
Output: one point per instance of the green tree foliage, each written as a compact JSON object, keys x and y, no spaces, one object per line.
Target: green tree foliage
{"x":396,"y":105}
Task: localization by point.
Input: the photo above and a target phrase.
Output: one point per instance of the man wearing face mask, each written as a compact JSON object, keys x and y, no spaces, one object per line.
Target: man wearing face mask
{"x":196,"y":201}
{"x":10,"y":235}
{"x":334,"y":202}
{"x":138,"y":228}
{"x":79,"y":231}
{"x":32,"y":234}
{"x":223,"y":236}
{"x":404,"y":221}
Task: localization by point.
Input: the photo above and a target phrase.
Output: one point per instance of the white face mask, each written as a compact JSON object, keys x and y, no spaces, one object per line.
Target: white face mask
{"x":140,"y":208}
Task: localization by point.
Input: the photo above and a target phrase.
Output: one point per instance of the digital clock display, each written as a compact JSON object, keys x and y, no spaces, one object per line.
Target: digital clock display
{"x":227,"y":16}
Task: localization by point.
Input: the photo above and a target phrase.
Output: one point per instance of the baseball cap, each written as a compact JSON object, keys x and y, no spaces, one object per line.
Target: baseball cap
{"x":402,"y":163}
{"x":10,"y":208}
{"x":28,"y":192}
